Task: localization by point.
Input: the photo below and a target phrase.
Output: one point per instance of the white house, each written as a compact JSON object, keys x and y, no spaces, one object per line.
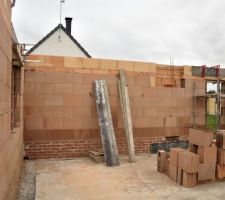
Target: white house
{"x":59,"y":42}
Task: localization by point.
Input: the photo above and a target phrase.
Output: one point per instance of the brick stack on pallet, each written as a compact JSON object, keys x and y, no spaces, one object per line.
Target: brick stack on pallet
{"x":188,"y":167}
{"x":220,"y":143}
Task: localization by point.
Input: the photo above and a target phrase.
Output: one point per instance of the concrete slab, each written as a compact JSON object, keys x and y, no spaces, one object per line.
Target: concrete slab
{"x":82,"y":179}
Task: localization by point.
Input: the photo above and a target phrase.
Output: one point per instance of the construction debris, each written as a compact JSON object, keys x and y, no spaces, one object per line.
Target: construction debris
{"x":97,"y":157}
{"x":188,"y":167}
{"x":167,"y":144}
{"x":106,"y":124}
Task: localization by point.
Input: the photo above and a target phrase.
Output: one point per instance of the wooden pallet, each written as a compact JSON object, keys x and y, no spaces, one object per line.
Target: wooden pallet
{"x":97,"y":157}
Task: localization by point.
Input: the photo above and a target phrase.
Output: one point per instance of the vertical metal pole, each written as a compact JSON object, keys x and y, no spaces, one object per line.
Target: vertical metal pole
{"x":218,"y":106}
{"x":194,"y":105}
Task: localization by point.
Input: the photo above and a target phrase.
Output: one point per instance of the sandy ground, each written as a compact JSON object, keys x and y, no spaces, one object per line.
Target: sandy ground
{"x":81,"y":179}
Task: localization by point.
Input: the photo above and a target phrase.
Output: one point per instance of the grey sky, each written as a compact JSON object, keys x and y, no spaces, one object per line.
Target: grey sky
{"x":191,"y":31}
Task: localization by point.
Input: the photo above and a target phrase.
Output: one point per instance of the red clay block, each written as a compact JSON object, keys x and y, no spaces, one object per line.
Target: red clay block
{"x":54,"y":61}
{"x":156,"y":122}
{"x":54,"y":77}
{"x":171,"y":122}
{"x":126,"y":65}
{"x":174,"y":153}
{"x":164,"y":92}
{"x":220,"y":171}
{"x":34,"y":123}
{"x":206,"y":171}
{"x":113,"y":90}
{"x":148,"y":112}
{"x":189,"y":179}
{"x":135,"y":91}
{"x":90,"y":123}
{"x":72,"y":123}
{"x":221,"y":156}
{"x":150,"y":91}
{"x":220,"y":139}
{"x":37,"y":77}
{"x":53,"y":123}
{"x":63,"y":89}
{"x":53,"y":100}
{"x":207,"y":154}
{"x":200,"y":137}
{"x":172,"y":172}
{"x":82,"y":89}
{"x":108,"y":64}
{"x":72,"y":62}
{"x":161,"y":161}
{"x":71,"y":100}
{"x":188,"y":161}
{"x":141,"y":122}
{"x":178,"y":92}
{"x":141,"y":67}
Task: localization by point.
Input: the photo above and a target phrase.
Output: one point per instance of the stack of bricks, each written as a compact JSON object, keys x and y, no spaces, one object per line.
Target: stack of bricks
{"x":183,"y":167}
{"x":198,"y":164}
{"x":59,"y":104}
{"x":220,"y":143}
{"x":201,"y":143}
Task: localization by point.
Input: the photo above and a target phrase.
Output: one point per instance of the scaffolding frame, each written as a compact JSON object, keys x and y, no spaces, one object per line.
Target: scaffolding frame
{"x":218,"y":96}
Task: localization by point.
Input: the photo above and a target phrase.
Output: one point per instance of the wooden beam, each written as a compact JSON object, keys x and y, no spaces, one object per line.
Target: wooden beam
{"x":127,"y":121}
{"x":106,"y":124}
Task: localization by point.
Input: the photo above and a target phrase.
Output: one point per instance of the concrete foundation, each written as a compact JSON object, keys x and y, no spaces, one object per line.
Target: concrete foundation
{"x":82,"y":179}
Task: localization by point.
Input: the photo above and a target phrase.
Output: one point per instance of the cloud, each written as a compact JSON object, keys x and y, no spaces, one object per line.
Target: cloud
{"x":190,"y":31}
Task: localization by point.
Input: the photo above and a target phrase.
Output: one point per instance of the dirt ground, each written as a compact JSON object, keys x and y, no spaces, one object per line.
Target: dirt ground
{"x":81,"y":179}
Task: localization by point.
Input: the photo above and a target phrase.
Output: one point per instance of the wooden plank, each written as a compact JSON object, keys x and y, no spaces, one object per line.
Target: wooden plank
{"x":125,"y":106}
{"x":106,"y":124}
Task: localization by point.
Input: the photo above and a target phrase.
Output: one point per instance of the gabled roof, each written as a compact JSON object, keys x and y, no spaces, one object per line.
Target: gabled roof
{"x":60,"y":26}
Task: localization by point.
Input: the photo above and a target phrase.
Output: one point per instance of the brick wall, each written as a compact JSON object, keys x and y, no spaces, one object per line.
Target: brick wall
{"x":11,"y":145}
{"x":80,"y":148}
{"x":59,"y":104}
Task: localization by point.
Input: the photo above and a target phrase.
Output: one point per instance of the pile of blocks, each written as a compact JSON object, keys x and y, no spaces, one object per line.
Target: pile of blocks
{"x":220,"y":143}
{"x":201,"y":143}
{"x":197,"y":164}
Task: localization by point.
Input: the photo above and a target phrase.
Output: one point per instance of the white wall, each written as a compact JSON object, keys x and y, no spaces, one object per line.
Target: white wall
{"x":59,"y":47}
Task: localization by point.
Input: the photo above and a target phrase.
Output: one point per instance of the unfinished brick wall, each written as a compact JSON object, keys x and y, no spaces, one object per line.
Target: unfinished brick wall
{"x":60,"y":113}
{"x":11,"y":144}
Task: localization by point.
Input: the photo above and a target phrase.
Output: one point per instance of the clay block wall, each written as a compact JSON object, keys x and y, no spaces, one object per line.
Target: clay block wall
{"x":60,"y":113}
{"x":11,"y":144}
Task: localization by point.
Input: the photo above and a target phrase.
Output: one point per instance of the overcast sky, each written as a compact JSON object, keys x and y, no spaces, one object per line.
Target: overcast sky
{"x":190,"y":31}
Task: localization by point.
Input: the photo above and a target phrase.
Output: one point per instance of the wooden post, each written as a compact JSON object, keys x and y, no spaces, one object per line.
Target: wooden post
{"x":125,"y":106}
{"x":106,"y":125}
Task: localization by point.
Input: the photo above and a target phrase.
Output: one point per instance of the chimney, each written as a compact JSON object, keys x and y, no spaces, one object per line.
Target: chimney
{"x":68,"y":24}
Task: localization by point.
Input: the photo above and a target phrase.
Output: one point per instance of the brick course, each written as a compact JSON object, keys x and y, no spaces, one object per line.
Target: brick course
{"x":80,"y":148}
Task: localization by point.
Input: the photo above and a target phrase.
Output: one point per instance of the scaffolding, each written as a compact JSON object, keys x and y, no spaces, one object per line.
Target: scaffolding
{"x":218,"y":96}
